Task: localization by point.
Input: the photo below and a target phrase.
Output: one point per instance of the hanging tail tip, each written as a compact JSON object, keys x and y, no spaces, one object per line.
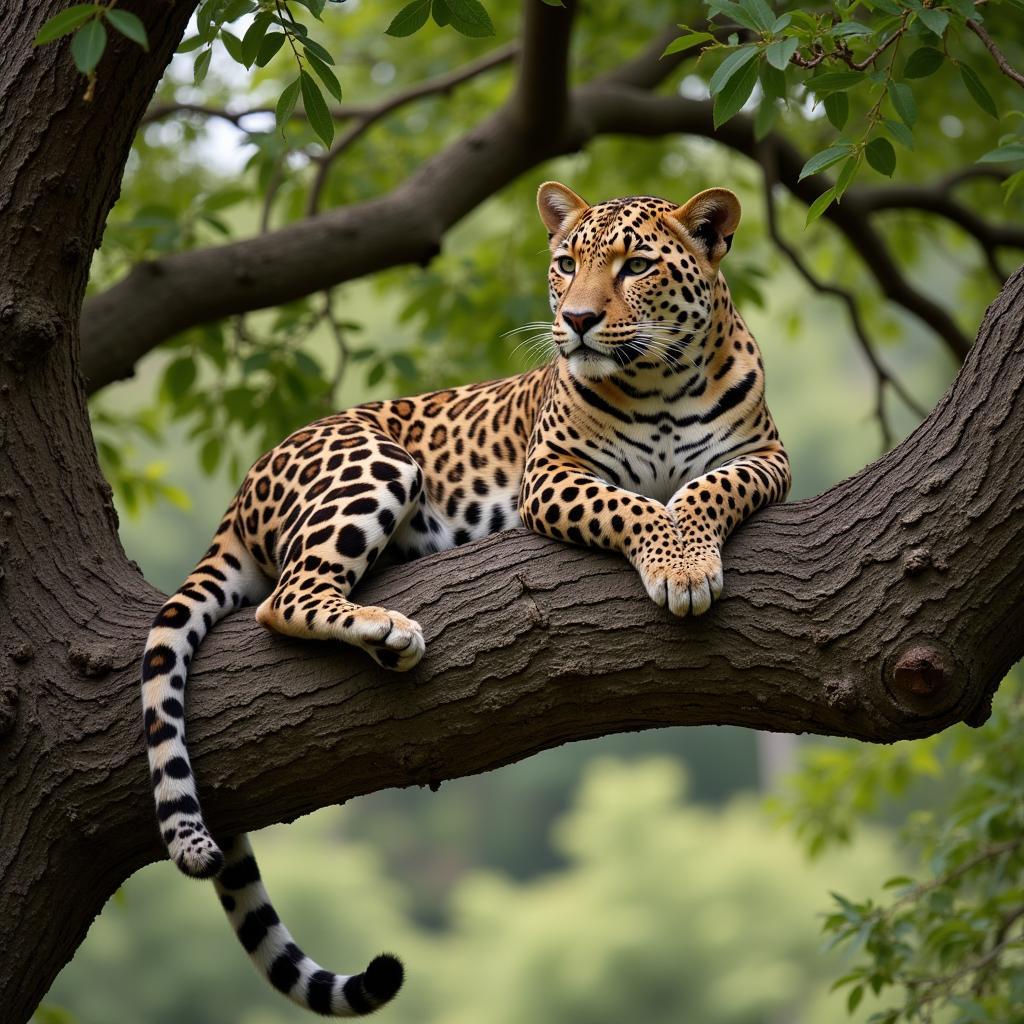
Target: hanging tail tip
{"x":377,"y":985}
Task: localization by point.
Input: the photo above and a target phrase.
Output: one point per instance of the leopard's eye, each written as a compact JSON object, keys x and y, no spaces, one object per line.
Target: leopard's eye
{"x":636,"y":265}
{"x":566,"y":264}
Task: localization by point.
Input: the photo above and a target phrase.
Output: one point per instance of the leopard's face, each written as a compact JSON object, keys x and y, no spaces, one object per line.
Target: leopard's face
{"x":632,"y":278}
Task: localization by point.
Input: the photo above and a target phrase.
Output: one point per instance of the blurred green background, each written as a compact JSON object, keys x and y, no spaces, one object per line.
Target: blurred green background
{"x":635,"y":878}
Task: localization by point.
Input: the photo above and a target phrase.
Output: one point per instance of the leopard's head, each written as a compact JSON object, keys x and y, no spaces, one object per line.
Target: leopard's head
{"x":632,"y":277}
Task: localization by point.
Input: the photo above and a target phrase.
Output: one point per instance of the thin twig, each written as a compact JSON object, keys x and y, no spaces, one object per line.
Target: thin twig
{"x":159,"y":111}
{"x":1004,"y":65}
{"x":883,"y":377}
{"x":430,"y":87}
{"x":845,"y":54}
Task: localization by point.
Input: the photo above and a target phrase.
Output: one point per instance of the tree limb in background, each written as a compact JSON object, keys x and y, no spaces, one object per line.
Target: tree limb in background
{"x":937,"y":199}
{"x":883,"y":377}
{"x":440,"y":85}
{"x":161,"y":298}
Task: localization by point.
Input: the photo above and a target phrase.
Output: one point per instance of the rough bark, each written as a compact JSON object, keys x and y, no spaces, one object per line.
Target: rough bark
{"x":888,"y":607}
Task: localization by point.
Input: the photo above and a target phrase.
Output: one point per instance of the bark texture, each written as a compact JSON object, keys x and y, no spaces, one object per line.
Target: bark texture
{"x":888,"y":607}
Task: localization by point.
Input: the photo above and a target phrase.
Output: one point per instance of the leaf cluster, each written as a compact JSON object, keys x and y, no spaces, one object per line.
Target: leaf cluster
{"x":946,"y":941}
{"x":862,"y":61}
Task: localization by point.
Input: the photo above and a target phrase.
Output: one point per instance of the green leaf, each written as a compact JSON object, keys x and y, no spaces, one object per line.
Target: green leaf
{"x":854,"y":998}
{"x":440,"y":13}
{"x":376,"y":374}
{"x":315,"y":7}
{"x":316,"y":109}
{"x":409,"y":19}
{"x":826,"y":158}
{"x":252,"y":41}
{"x":819,"y":206}
{"x":762,"y":15}
{"x":765,"y":118}
{"x":881,"y":156}
{"x":779,"y":52}
{"x":900,"y":132}
{"x":732,"y":97}
{"x":64,"y":23}
{"x":846,"y":29}
{"x":734,"y":12}
{"x":286,"y":104}
{"x":190,"y":44}
{"x":934,"y":19}
{"x":773,"y":82}
{"x":834,"y":81}
{"x":470,"y":17}
{"x":924,"y":61}
{"x":129,"y":25}
{"x":685,"y":42}
{"x":272,"y":42}
{"x":233,"y":45}
{"x":179,"y":377}
{"x":554,"y":3}
{"x":325,"y":74}
{"x":1014,"y":151}
{"x":225,"y":197}
{"x":404,"y":364}
{"x":1011,"y":184}
{"x":312,"y":46}
{"x":201,"y":66}
{"x":209,"y":455}
{"x":903,"y":102}
{"x":87,"y":46}
{"x":977,"y":90}
{"x":837,"y":109}
{"x":731,"y":66}
{"x":846,"y":175}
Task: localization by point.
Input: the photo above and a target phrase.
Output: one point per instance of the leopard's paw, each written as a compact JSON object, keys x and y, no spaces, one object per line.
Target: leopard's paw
{"x":391,"y":639}
{"x":687,"y":583}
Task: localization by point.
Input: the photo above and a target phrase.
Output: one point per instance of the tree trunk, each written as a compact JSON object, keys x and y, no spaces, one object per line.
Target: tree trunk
{"x":64,"y":579}
{"x":888,"y":607}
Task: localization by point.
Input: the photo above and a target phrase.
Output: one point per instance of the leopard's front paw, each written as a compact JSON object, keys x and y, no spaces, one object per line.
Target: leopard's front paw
{"x":687,"y":582}
{"x":392,"y":640}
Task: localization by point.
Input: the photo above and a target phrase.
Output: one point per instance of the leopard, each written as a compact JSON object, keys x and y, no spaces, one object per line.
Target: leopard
{"x":645,"y":433}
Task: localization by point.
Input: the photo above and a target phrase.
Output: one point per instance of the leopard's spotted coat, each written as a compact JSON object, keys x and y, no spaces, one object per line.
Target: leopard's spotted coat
{"x":648,"y":434}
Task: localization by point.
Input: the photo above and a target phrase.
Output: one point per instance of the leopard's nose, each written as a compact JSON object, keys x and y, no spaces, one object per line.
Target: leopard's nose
{"x":582,"y":322}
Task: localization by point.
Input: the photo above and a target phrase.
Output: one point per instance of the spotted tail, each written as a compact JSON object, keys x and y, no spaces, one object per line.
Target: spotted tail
{"x":272,"y":950}
{"x":227,"y":578}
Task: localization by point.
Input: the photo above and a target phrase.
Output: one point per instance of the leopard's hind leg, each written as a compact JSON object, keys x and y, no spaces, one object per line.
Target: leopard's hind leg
{"x":327,"y":549}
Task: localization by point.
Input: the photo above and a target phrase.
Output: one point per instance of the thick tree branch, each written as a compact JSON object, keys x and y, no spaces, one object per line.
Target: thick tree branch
{"x":541,"y":98}
{"x":886,"y":608}
{"x":936,"y":199}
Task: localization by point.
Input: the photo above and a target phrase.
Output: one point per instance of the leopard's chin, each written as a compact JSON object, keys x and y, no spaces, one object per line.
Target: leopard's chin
{"x":586,"y":364}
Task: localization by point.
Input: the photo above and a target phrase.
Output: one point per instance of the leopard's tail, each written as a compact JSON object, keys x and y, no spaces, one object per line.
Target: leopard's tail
{"x":227,"y":578}
{"x":275,"y":954}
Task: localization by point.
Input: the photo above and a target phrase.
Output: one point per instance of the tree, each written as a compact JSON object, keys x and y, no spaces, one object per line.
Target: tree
{"x":884,"y":608}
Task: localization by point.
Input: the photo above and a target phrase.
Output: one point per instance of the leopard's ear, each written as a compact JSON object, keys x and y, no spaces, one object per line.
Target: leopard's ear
{"x":710,"y":218}
{"x":559,"y":208}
